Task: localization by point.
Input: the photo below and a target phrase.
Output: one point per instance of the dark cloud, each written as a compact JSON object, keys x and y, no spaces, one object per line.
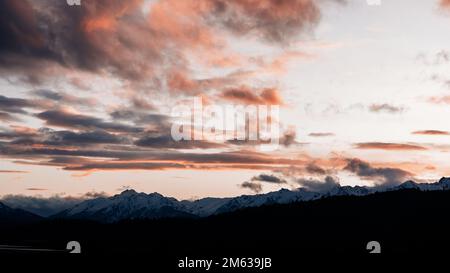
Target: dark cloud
{"x":77,"y":121}
{"x":255,"y":187}
{"x":94,"y":194}
{"x":129,"y":157}
{"x":21,"y":33}
{"x":41,"y":40}
{"x":316,"y":185}
{"x":315,"y":169}
{"x":269,"y":178}
{"x":38,"y":32}
{"x":50,"y":137}
{"x":48,"y":39}
{"x":431,"y":132}
{"x":48,"y":94}
{"x":385,"y":176}
{"x":276,"y":21}
{"x":158,"y":122}
{"x":17,"y":131}
{"x":93,"y":137}
{"x":247,"y":142}
{"x":7,"y":117}
{"x":64,"y":98}
{"x":125,"y":166}
{"x":14,"y":105}
{"x":41,"y":37}
{"x":166,"y":141}
{"x":386,"y":108}
{"x":389,"y":146}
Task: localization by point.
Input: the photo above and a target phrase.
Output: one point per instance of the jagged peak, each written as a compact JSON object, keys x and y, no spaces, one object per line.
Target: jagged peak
{"x":128,"y":192}
{"x":409,"y":182}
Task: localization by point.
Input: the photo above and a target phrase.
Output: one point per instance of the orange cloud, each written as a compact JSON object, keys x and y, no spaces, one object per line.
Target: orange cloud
{"x":431,"y":132}
{"x":12,"y":171}
{"x":321,"y":134}
{"x":120,"y":38}
{"x":445,"y":3}
{"x":105,"y":16}
{"x":389,"y":146}
{"x":179,"y":81}
{"x":440,"y":100}
{"x":247,"y":95}
{"x":278,"y":64}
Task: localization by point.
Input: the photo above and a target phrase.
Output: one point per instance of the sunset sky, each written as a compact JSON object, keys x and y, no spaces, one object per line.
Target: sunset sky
{"x":86,"y":94}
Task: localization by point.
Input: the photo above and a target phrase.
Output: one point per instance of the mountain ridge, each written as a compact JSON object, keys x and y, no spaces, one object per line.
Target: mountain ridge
{"x":130,"y":205}
{"x":11,"y":216}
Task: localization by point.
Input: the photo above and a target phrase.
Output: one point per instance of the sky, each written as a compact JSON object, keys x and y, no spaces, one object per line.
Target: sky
{"x":87,"y":94}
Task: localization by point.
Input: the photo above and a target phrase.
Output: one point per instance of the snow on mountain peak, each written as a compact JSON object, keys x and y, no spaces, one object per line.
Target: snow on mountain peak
{"x":408,"y":185}
{"x":133,"y":205}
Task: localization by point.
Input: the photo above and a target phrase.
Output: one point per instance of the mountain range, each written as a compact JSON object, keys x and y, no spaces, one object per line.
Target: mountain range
{"x":17,"y":216}
{"x":131,"y":205}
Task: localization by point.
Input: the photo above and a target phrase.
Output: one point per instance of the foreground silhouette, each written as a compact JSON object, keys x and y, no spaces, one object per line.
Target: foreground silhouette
{"x":403,"y":222}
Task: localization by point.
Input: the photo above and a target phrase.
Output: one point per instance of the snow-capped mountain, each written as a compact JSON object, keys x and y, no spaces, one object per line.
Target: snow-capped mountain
{"x":127,"y":205}
{"x":133,"y":205}
{"x":442,"y":184}
{"x":348,"y":190}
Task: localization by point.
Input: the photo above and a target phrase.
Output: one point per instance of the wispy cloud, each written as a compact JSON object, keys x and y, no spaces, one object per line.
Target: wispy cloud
{"x":389,"y":146}
{"x":439,"y":100}
{"x":12,"y":171}
{"x":431,"y":132}
{"x":386,"y":108}
{"x":321,"y":134}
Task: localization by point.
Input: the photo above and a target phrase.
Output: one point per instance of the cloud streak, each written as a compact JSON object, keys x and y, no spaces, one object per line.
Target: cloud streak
{"x":67,"y":119}
{"x":431,"y":133}
{"x":245,"y":94}
{"x":389,"y":146}
{"x":385,"y":108}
